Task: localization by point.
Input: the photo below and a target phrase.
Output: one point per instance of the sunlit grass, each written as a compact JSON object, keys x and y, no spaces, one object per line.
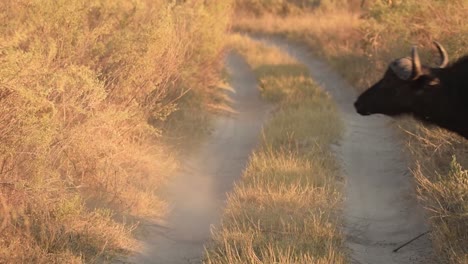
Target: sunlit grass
{"x":359,"y":44}
{"x":91,"y":92}
{"x":286,"y":207}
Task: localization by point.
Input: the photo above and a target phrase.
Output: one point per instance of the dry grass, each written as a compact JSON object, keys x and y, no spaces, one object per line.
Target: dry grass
{"x":286,"y":208}
{"x":359,"y":44}
{"x":86,"y":92}
{"x":439,"y":161}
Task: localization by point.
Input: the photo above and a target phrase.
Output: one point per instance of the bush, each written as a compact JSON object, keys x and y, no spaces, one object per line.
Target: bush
{"x":85,"y":88}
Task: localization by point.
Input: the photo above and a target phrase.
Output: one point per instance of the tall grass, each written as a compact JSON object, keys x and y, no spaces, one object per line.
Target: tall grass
{"x":284,"y":210}
{"x":359,"y":42}
{"x":86,"y":89}
{"x":292,"y":7}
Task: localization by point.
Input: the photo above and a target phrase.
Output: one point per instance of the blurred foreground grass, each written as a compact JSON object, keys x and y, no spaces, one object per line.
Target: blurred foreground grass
{"x":90,"y":93}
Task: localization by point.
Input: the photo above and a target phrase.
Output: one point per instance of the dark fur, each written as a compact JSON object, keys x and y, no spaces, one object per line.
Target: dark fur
{"x":439,"y":97}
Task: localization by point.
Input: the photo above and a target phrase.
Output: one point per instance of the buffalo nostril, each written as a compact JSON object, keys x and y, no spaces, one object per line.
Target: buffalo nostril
{"x":356,"y":105}
{"x":360,"y":109}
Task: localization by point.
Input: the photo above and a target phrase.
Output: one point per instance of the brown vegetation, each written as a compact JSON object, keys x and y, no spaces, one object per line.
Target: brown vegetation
{"x":360,"y":43}
{"x":284,"y":210}
{"x":86,"y":89}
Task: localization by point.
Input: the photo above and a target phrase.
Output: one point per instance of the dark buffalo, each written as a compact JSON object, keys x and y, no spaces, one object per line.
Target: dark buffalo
{"x":434,"y":95}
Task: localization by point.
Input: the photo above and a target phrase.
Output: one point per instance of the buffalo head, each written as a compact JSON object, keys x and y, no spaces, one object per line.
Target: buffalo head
{"x":404,"y":86}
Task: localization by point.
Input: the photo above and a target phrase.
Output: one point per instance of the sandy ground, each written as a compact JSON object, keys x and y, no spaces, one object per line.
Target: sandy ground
{"x":381,"y":210}
{"x":197,"y":195}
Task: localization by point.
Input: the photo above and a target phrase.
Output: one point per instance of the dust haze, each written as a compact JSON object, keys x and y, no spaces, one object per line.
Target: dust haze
{"x":197,"y":195}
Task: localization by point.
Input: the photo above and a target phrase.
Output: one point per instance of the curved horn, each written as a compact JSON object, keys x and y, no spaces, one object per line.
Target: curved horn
{"x":416,"y":71}
{"x":444,"y":61}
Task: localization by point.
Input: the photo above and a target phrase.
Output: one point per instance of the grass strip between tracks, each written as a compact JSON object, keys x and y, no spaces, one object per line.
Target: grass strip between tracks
{"x":286,"y":208}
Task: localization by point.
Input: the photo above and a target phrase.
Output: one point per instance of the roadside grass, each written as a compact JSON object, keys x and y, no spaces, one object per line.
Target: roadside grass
{"x":359,"y":44}
{"x":439,"y":162}
{"x":286,"y":207}
{"x":89,"y":93}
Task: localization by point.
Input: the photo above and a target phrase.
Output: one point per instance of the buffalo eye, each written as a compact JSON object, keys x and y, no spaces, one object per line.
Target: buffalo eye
{"x":429,"y":81}
{"x":434,"y":82}
{"x":426,"y":83}
{"x":419,"y":92}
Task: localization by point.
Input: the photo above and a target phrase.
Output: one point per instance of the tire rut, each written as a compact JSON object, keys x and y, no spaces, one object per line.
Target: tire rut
{"x":197,"y":195}
{"x":380,"y":207}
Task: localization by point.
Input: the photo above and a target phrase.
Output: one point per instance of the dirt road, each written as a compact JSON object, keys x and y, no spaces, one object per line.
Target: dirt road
{"x":380,"y":207}
{"x":198,"y":193}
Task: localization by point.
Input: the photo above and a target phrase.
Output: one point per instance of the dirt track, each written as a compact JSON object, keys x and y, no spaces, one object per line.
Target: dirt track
{"x":198,"y":193}
{"x":381,"y":211}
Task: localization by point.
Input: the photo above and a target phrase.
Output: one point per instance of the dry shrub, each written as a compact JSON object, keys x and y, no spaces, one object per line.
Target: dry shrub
{"x":438,"y":162}
{"x":85,"y":90}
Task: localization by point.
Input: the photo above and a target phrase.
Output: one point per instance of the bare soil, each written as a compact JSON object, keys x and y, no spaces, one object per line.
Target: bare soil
{"x":197,"y":195}
{"x":380,"y":209}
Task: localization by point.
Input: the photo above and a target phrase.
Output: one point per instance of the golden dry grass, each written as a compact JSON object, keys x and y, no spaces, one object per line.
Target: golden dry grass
{"x":359,"y":44}
{"x":286,"y":207}
{"x":87,"y":89}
